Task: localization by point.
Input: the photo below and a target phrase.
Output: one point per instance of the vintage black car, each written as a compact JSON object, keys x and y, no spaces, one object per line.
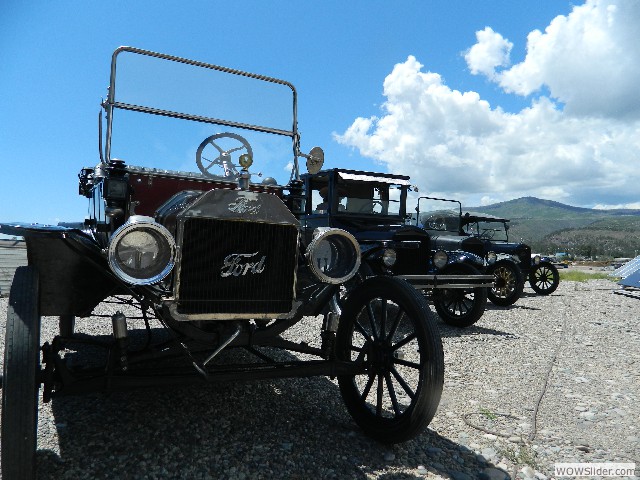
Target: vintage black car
{"x":443,"y":219}
{"x":216,"y":260}
{"x":372,"y":206}
{"x":542,"y":274}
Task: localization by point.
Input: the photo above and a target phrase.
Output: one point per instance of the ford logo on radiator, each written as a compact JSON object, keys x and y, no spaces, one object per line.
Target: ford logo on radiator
{"x":245,"y":205}
{"x":238,"y":264}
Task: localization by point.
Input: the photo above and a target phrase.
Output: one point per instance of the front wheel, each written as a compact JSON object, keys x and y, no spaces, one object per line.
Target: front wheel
{"x":457,"y":306}
{"x":20,"y":382}
{"x":508,"y":283}
{"x":386,"y":325}
{"x":544,"y":278}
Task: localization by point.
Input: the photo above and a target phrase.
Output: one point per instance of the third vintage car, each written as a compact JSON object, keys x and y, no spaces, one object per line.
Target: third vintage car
{"x":541,"y":273}
{"x":442,"y":218}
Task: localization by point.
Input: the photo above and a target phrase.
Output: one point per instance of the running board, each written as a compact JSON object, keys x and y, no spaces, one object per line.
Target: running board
{"x":449,"y":281}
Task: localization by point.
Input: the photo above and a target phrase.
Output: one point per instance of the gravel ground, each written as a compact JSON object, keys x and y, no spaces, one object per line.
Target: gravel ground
{"x":572,"y":359}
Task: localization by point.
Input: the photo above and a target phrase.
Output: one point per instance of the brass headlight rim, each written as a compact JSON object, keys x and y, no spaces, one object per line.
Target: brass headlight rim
{"x":135,"y":223}
{"x":321,"y":234}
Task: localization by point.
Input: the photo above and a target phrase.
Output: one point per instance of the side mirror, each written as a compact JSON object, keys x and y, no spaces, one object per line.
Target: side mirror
{"x":315,"y":160}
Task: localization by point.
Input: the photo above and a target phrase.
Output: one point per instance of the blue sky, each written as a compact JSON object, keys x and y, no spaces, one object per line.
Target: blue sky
{"x":370,"y":76}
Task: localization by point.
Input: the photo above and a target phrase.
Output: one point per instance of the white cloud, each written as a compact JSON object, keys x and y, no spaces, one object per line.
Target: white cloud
{"x":491,"y":51}
{"x":635,"y":205}
{"x":582,"y":153}
{"x":589,"y":60}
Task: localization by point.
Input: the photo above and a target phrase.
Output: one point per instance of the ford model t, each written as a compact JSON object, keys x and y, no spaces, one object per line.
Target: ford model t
{"x":442,"y":218}
{"x":543,"y":276}
{"x":511,"y":263}
{"x":216,"y":256}
{"x":372,"y":206}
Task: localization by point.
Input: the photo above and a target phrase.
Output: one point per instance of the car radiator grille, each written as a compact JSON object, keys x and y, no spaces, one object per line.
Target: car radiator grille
{"x":236,"y":267}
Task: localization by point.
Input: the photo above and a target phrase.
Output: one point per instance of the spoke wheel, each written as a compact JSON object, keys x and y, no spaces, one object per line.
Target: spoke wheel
{"x":544,"y":278}
{"x":386,"y":326}
{"x":508,"y":283}
{"x":460,"y":307}
{"x":20,"y":382}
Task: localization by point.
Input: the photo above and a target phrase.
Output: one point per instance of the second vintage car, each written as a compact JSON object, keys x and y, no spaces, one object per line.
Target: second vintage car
{"x":372,"y":207}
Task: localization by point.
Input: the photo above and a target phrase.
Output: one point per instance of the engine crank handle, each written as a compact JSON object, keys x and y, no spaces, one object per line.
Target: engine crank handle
{"x":223,"y":345}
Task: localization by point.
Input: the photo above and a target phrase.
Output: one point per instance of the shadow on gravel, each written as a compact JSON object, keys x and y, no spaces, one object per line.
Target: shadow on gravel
{"x":285,"y":428}
{"x":515,"y":306}
{"x":474,"y":330}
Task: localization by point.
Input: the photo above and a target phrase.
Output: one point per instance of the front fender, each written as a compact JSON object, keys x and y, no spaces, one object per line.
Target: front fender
{"x":74,"y":275}
{"x":466,"y":258}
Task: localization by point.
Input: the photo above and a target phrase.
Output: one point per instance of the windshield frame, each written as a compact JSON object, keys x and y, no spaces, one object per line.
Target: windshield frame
{"x":477,"y":221}
{"x":111,"y":104}
{"x":444,"y":229}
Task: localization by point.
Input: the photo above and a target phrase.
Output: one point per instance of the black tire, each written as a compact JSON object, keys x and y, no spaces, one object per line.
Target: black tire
{"x":67,"y":325}
{"x":460,"y":307}
{"x":544,"y":278}
{"x":407,"y":361}
{"x":508,"y":283}
{"x":20,"y":383}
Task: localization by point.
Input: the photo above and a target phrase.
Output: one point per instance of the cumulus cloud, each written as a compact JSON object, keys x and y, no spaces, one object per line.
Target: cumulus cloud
{"x":589,"y":60}
{"x":571,"y":147}
{"x":491,"y":51}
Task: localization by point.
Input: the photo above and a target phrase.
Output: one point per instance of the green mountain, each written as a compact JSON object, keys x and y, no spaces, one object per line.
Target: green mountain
{"x":550,"y":227}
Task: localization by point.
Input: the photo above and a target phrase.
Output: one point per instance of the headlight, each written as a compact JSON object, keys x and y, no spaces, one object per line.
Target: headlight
{"x":440,"y":259}
{"x":141,"y":251}
{"x":333,"y":255}
{"x":536,"y":260}
{"x":389,"y":257}
{"x":491,"y":258}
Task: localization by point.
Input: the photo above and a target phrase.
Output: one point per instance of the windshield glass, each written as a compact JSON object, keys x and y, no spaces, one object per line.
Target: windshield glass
{"x":178,"y":115}
{"x":488,"y":230}
{"x":359,"y":194}
{"x":439,"y":215}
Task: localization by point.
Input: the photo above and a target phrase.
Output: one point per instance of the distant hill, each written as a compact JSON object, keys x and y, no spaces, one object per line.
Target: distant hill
{"x":551,"y":227}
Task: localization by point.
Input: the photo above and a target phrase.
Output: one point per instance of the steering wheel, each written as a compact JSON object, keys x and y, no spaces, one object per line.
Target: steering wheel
{"x":368,"y":207}
{"x":436,"y":223}
{"x":487,"y":233}
{"x":224,"y":160}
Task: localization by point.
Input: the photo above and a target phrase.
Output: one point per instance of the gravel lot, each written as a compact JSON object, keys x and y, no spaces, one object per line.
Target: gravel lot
{"x":572,"y":358}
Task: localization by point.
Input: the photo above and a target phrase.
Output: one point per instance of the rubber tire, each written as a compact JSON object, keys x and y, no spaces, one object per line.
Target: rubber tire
{"x":544,"y":278}
{"x":444,"y":297}
{"x":20,"y":383}
{"x":506,"y":271}
{"x":415,"y":418}
{"x":66,"y":324}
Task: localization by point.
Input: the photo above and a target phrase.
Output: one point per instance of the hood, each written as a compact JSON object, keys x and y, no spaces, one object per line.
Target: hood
{"x":452,"y":242}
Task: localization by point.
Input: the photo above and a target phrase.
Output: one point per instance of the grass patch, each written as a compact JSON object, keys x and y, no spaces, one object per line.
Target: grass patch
{"x":582,"y":276}
{"x":488,"y":413}
{"x":523,"y":455}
